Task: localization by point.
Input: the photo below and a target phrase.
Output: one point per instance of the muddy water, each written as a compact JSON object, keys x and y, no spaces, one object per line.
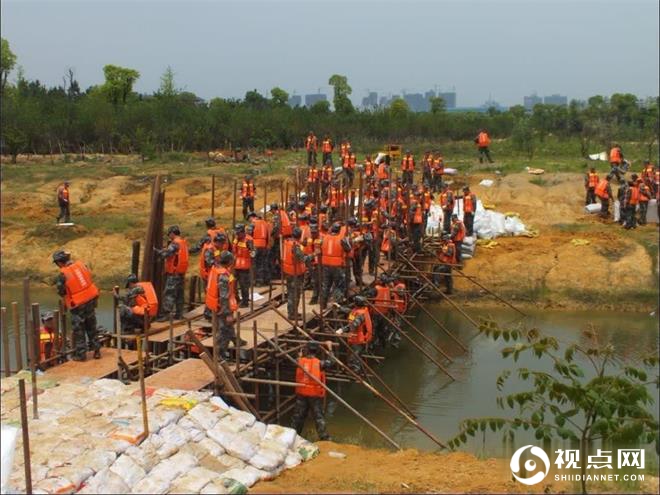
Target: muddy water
{"x":438,"y":402}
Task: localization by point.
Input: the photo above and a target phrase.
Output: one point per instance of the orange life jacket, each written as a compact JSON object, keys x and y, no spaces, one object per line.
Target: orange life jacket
{"x":286,"y":228}
{"x":407,"y":164}
{"x":306,"y":240}
{"x":326,"y":176}
{"x":213,"y":232}
{"x":386,"y":245}
{"x":310,"y":388}
{"x":615,"y":155}
{"x":178,"y":264}
{"x":310,"y":143}
{"x":469,"y":203}
{"x":368,"y":168}
{"x":247,"y":190}
{"x":291,"y":266}
{"x":601,"y":189}
{"x":427,"y":201}
{"x":592,"y":179}
{"x":382,"y":172}
{"x":260,"y":233}
{"x":348,"y":162}
{"x":634,"y":196}
{"x":401,"y":301}
{"x":242,"y":254}
{"x":382,"y":302}
{"x":326,"y":146}
{"x":447,"y":200}
{"x":212,"y":289}
{"x":483,"y":140}
{"x":147,"y":301}
{"x":332,"y":252}
{"x":312,"y":175}
{"x":438,"y":166}
{"x":460,"y":235}
{"x":444,"y":255}
{"x":364,"y":333}
{"x":644,"y":193}
{"x":203,"y":269}
{"x":79,"y":286}
{"x":63,"y":192}
{"x":46,"y":344}
{"x":334,"y":197}
{"x":418,"y":216}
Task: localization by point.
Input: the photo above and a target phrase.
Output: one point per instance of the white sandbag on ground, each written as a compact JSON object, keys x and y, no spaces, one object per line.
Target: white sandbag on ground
{"x":193,"y":481}
{"x":104,"y":482}
{"x":128,"y":470}
{"x":652,"y":212}
{"x":617,"y":211}
{"x":592,"y":208}
{"x":8,"y":439}
{"x":281,"y":434}
{"x":247,"y":476}
{"x":205,"y":416}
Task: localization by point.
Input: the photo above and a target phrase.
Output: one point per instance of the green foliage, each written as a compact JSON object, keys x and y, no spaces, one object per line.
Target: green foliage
{"x":608,"y":401}
{"x":119,"y":82}
{"x":167,"y":87}
{"x":279,"y":97}
{"x":438,"y":105}
{"x":342,"y":91}
{"x":7,"y":63}
{"x":399,"y":108}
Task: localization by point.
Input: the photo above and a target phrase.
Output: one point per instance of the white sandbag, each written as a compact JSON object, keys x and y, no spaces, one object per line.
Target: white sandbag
{"x":112,"y":388}
{"x":105,"y":482}
{"x":467,"y":256}
{"x":602,"y":156}
{"x":266,"y":459}
{"x":211,"y":446}
{"x":258,"y":429}
{"x":231,"y":462}
{"x":193,"y":429}
{"x":8,"y":439}
{"x":213,"y":488}
{"x":617,"y":210}
{"x":77,"y":474}
{"x":450,"y":171}
{"x":231,"y":423}
{"x":652,"y":212}
{"x":380,"y":157}
{"x":247,"y":476}
{"x":222,"y":435}
{"x":193,"y":481}
{"x":592,"y":208}
{"x":486,"y":182}
{"x":151,"y":484}
{"x":126,"y":468}
{"x":167,"y":450}
{"x":169,"y":469}
{"x":161,"y":417}
{"x":97,"y":460}
{"x":218,"y":402}
{"x":243,"y":417}
{"x":292,"y":460}
{"x":241,"y":447}
{"x":145,"y":455}
{"x":204,"y":415}
{"x":281,"y":434}
{"x":174,"y":434}
{"x":514,"y":226}
{"x":469,"y":240}
{"x":56,"y":485}
{"x":307,"y":450}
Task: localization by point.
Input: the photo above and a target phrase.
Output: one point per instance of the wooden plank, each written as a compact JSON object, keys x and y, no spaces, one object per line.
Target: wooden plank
{"x":164,"y":336}
{"x":191,"y":374}
{"x":92,"y":368}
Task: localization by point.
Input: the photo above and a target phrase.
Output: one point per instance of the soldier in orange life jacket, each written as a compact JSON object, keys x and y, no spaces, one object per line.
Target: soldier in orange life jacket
{"x":248,"y":194}
{"x":63,"y":202}
{"x":326,"y":149}
{"x":644,"y":197}
{"x":382,"y":304}
{"x":604,"y":193}
{"x":447,"y":258}
{"x":221,"y":299}
{"x":243,"y":250}
{"x":140,"y":300}
{"x":74,"y":284}
{"x":313,"y":249}
{"x":427,"y":167}
{"x":447,"y":205}
{"x":261,"y":241}
{"x":437,"y":172}
{"x":280,"y":227}
{"x":312,"y":180}
{"x":294,"y":266}
{"x":399,"y":294}
{"x":469,"y":209}
{"x":207,"y":256}
{"x":630,"y":204}
{"x":348,"y":164}
{"x":590,"y":182}
{"x":483,"y":142}
{"x":359,"y":329}
{"x":408,"y":167}
{"x":309,"y":393}
{"x":616,"y":163}
{"x":211,"y":230}
{"x":176,"y":265}
{"x":47,"y":344}
{"x":457,"y":236}
{"x":416,"y":219}
{"x":311,"y":146}
{"x":335,"y":247}
{"x":326,"y":178}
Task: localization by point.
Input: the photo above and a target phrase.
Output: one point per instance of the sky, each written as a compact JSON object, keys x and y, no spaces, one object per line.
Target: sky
{"x":482,"y":49}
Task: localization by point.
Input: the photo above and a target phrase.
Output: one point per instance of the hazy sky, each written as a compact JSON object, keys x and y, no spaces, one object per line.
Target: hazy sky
{"x":503,"y":49}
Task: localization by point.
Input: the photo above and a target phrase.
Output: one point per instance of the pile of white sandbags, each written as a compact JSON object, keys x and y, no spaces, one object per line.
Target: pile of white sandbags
{"x":88,"y":440}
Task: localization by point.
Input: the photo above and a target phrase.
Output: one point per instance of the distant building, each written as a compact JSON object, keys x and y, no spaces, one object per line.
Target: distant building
{"x":555,"y":100}
{"x":370,"y":101}
{"x":383,"y":101}
{"x":295,"y":101}
{"x":493,"y":104}
{"x":314,"y":98}
{"x":416,"y":102}
{"x":530,"y":101}
{"x":450,"y":99}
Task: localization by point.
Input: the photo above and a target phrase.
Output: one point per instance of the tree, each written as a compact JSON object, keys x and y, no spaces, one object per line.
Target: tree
{"x":119,"y":82}
{"x":321,"y":107}
{"x":399,"y":108}
{"x":7,"y":63}
{"x":342,"y":92}
{"x":517,"y":112}
{"x":438,"y":105}
{"x":167,"y":87}
{"x":279,"y":96}
{"x":609,"y":401}
{"x":255,"y":100}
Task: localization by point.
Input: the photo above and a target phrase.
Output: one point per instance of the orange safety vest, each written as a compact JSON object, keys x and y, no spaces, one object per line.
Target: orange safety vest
{"x":63,"y":192}
{"x":601,"y":189}
{"x":291,"y":266}
{"x":312,"y":175}
{"x":247,"y":190}
{"x":461,"y":231}
{"x":79,"y":286}
{"x":592,"y":179}
{"x":401,"y":301}
{"x":349,"y":161}
{"x":444,"y":255}
{"x":418,"y":215}
{"x":644,"y":193}
{"x":344,"y":149}
{"x":483,"y":140}
{"x":213,"y":232}
{"x":147,"y":301}
{"x":332,"y":252}
{"x":368,"y":168}
{"x":364,"y":333}
{"x":333,"y":197}
{"x":615,"y":155}
{"x":386,"y":245}
{"x":178,"y":264}
{"x":383,"y":298}
{"x":327,"y":146}
{"x":203,"y":269}
{"x":408,"y":164}
{"x":242,"y":254}
{"x":382,"y":171}
{"x":310,"y":143}
{"x":326,"y":176}
{"x":46,"y":339}
{"x":469,"y":203}
{"x":260,"y":233}
{"x":438,"y":166}
{"x":212,"y":289}
{"x":447,"y":201}
{"x":286,"y":229}
{"x":634,"y":196}
{"x":427,"y":201}
{"x":306,"y":240}
{"x":308,"y":387}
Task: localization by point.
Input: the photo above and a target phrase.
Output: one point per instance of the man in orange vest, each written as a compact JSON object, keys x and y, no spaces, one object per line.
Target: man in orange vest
{"x":63,"y":202}
{"x":416,"y":219}
{"x":469,"y":208}
{"x":176,"y":266}
{"x":447,"y":258}
{"x":644,"y":196}
{"x":311,"y":146}
{"x":590,"y":183}
{"x":211,"y":230}
{"x":248,"y":193}
{"x":437,"y":172}
{"x":616,"y":162}
{"x":47,"y":340}
{"x":294,"y":266}
{"x":221,"y":299}
{"x":309,"y":393}
{"x":348,"y":164}
{"x":483,"y":142}
{"x":75,"y":285}
{"x":326,"y":149}
{"x":335,"y":247}
{"x":457,"y":236}
{"x":630,"y":204}
{"x":243,"y":250}
{"x":135,"y":304}
{"x":604,"y":192}
{"x":359,"y":329}
{"x":261,"y":241}
{"x":447,"y":205}
{"x":427,"y":167}
{"x":382,"y":304}
{"x":407,"y":168}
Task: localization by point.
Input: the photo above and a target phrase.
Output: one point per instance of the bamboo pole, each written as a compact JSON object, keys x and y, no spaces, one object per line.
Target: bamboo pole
{"x":170,"y":340}
{"x":63,"y":327}
{"x":118,"y":337}
{"x":277,"y":375}
{"x":337,"y":397}
{"x":143,"y":392}
{"x":26,"y":437}
{"x":26,"y":318}
{"x":213,"y":195}
{"x":57,"y":346}
{"x":5,"y":343}
{"x":135,"y":257}
{"x":255,"y":360}
{"x":233,"y":215}
{"x":34,"y":359}
{"x":440,"y":325}
{"x":237,"y":344}
{"x":17,"y":336}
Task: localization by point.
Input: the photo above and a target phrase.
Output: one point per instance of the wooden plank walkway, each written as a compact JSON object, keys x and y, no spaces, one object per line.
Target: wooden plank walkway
{"x":191,"y":374}
{"x":92,"y":368}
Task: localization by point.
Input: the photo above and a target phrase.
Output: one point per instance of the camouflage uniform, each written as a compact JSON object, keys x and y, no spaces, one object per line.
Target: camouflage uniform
{"x":274,"y":264}
{"x":304,"y":404}
{"x":226,"y":333}
{"x":294,"y":283}
{"x":334,"y":278}
{"x":130,"y":321}
{"x":353,"y":361}
{"x":83,"y":322}
{"x":173,"y":293}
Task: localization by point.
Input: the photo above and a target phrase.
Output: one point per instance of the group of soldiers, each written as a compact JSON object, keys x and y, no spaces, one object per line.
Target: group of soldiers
{"x":633,"y":195}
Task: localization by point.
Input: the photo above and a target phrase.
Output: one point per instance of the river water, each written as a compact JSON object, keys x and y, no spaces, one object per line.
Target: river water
{"x":438,"y":402}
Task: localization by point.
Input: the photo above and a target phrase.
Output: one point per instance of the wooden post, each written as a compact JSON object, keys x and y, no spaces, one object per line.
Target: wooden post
{"x":5,"y":343}
{"x":143,"y":392}
{"x":26,"y":437}
{"x":233,"y":216}
{"x":170,"y":341}
{"x":34,"y":358}
{"x":17,"y":336}
{"x":237,"y":344}
{"x":118,"y":337}
{"x":149,"y":244}
{"x":254,"y":363}
{"x":212,"y":195}
{"x":216,"y":346}
{"x":63,"y":328}
{"x":277,"y":376}
{"x":57,"y":347}
{"x":192,"y":291}
{"x":26,"y":316}
{"x":135,"y":257}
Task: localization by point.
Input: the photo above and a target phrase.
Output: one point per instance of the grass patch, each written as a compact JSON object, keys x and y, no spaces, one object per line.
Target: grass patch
{"x":109,"y":224}
{"x":614,"y":253}
{"x":539,"y":181}
{"x":642,"y":296}
{"x":53,"y":233}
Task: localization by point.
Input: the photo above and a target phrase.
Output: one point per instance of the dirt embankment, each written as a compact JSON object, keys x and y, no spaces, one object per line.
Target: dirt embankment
{"x":617,"y":269}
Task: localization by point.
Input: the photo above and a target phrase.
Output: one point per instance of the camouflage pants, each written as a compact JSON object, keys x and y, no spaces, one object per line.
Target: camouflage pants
{"x":64,"y":213}
{"x":416,"y":234}
{"x":358,"y":265}
{"x":643,"y":208}
{"x":129,"y":322}
{"x":293,"y":293}
{"x":353,"y":359}
{"x":83,"y":326}
{"x":373,"y":254}
{"x":334,"y":280}
{"x":226,"y":333}
{"x":243,"y":285}
{"x":382,"y":330}
{"x":262,"y":273}
{"x":446,"y":220}
{"x":442,"y":274}
{"x":173,"y":296}
{"x":303,"y":405}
